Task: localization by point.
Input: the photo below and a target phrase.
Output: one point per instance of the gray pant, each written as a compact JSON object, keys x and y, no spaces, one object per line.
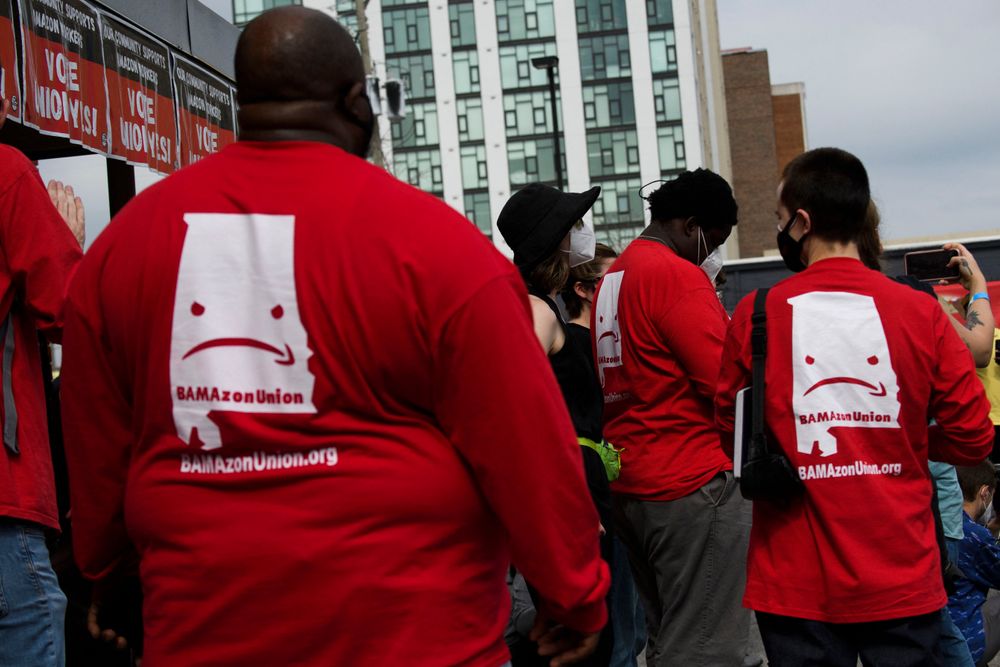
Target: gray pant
{"x":689,"y":560}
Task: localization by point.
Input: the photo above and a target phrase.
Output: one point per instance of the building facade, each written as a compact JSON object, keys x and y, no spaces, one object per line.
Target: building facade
{"x":766,"y":130}
{"x":638,"y":88}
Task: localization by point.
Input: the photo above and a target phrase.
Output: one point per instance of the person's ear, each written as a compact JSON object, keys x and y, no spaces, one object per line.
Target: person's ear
{"x":690,"y":225}
{"x":357,"y":104}
{"x":804,"y":220}
{"x":581,"y":290}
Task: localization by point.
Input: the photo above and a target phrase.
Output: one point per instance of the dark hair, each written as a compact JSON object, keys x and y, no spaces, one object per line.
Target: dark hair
{"x":701,"y":194}
{"x":588,"y":274}
{"x":832,"y":186}
{"x":972,"y":478}
{"x":870,"y":241}
{"x":550,"y":274}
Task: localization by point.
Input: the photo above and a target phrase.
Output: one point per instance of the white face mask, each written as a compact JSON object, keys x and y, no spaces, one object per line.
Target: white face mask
{"x":712,"y":264}
{"x":580,"y":244}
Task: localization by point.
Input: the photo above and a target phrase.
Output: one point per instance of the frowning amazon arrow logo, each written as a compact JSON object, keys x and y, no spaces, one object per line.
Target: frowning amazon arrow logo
{"x":287,"y":357}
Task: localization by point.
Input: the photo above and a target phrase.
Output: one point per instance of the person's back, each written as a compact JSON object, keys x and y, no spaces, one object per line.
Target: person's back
{"x":284,"y":347}
{"x":856,"y":367}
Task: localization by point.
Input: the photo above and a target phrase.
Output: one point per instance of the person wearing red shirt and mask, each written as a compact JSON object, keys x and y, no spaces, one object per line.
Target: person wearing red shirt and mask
{"x":658,"y":329}
{"x":284,"y":397}
{"x":857,"y":365}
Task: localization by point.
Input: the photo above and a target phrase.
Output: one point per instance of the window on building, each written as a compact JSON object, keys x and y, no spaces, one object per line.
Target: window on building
{"x":416,"y":73}
{"x":463,"y":24}
{"x":659,"y":12}
{"x":515,"y":65}
{"x":524,"y":19}
{"x":531,"y":161}
{"x":420,"y":169}
{"x":618,"y":237}
{"x":466,"y":66}
{"x":473,"y":167}
{"x":470,"y":119}
{"x":595,"y":15}
{"x":477,"y":209}
{"x":667,"y":100}
{"x":418,"y":128}
{"x":245,"y":11}
{"x":612,"y":153}
{"x":527,"y":114}
{"x":671,"y":147}
{"x":407,"y":30}
{"x":608,"y":105}
{"x":662,"y":51}
{"x":604,"y":57}
{"x":618,"y":202}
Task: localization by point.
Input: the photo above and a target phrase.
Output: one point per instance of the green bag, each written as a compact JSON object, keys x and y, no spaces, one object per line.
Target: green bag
{"x":611,"y":456}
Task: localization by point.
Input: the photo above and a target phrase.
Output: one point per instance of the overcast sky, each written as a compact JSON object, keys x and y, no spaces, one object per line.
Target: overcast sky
{"x":912,"y":87}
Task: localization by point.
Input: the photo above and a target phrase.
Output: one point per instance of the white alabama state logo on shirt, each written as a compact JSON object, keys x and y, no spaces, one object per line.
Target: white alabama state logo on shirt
{"x":842,"y":371}
{"x":237,"y":341}
{"x":606,"y":330}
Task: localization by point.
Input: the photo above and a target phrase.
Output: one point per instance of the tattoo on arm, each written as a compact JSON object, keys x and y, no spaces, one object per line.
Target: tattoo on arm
{"x":972,"y":320}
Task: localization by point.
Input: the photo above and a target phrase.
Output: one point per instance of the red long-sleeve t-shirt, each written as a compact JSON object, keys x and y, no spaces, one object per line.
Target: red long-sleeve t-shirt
{"x":857,"y":366}
{"x":297,"y":388}
{"x":38,"y":255}
{"x":658,"y":329}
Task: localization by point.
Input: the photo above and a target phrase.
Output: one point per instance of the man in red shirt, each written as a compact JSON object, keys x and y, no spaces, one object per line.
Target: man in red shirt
{"x":39,"y":256}
{"x":283,"y":394}
{"x":857,"y":366}
{"x":658,"y":329}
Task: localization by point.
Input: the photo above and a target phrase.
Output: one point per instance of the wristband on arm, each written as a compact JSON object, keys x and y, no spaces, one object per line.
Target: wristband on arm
{"x":979,"y":295}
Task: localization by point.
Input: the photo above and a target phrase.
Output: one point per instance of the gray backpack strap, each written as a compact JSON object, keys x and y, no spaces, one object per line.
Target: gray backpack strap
{"x":9,"y":409}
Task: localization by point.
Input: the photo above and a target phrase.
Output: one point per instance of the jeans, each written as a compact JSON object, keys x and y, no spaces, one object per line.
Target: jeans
{"x":627,"y":615}
{"x":32,"y":607}
{"x":901,"y":642}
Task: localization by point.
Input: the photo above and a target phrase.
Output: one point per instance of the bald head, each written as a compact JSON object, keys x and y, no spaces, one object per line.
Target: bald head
{"x":295,"y":53}
{"x":299,"y":77}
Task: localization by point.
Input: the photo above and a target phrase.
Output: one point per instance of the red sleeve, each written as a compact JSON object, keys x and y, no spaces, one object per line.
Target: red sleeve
{"x":97,"y":434}
{"x":500,"y":406}
{"x":38,"y":249}
{"x":693,"y":329}
{"x":963,"y":433}
{"x":735,"y":373}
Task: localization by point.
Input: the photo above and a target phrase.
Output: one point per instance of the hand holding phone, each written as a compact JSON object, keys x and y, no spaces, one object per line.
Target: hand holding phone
{"x":932,"y":265}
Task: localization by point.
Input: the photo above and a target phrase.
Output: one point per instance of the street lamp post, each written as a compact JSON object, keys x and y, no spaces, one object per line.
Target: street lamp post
{"x":549,"y":64}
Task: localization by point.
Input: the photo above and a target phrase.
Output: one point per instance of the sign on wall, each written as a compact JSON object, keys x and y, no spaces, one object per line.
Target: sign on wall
{"x":10,"y":88}
{"x":64,"y":71}
{"x":140,"y":96}
{"x":205,"y":118}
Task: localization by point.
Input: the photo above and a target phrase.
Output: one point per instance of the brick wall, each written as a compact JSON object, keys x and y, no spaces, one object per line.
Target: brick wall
{"x":752,"y":144}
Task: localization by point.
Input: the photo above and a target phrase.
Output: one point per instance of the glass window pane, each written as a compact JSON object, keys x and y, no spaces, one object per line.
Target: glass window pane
{"x":477,"y":209}
{"x":416,"y":73}
{"x":463,"y":24}
{"x":466,"y":66}
{"x":515,"y":65}
{"x":595,"y":15}
{"x":667,"y":97}
{"x":618,"y":203}
{"x":613,"y":153}
{"x":670,"y":142}
{"x":418,"y":128}
{"x":524,"y":19}
{"x":604,"y":57}
{"x":608,"y":105}
{"x":659,"y":12}
{"x":529,"y":113}
{"x":473,"y":160}
{"x":470,"y":119}
{"x":662,"y":51}
{"x":532,"y":161}
{"x":407,"y":30}
{"x":421,"y":169}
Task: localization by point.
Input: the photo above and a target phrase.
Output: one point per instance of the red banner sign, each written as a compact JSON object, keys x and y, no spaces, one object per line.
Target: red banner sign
{"x":140,"y":96}
{"x":205,"y":117}
{"x":9,"y":85}
{"x":64,"y":71}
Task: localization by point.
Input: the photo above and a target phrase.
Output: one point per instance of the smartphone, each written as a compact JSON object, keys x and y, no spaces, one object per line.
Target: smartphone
{"x":931,"y":265}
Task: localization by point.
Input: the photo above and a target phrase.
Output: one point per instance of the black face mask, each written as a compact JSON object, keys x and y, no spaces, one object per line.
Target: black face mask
{"x":790,"y":249}
{"x":367,"y":128}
